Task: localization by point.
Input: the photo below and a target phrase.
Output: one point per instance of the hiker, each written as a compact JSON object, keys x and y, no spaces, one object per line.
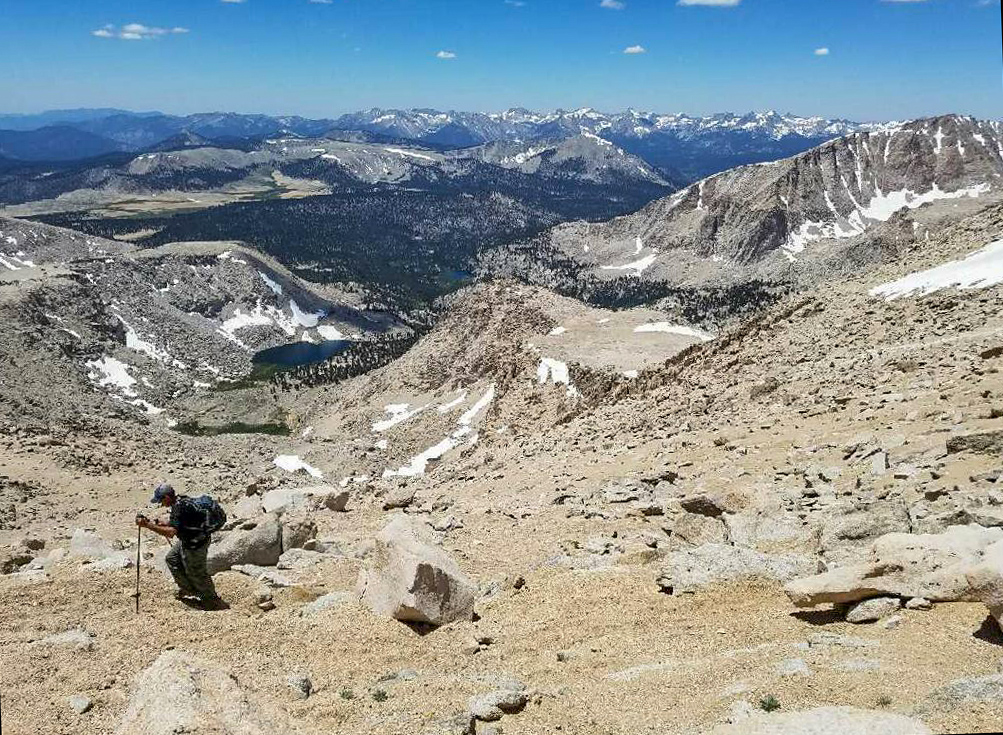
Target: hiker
{"x":191,"y":525}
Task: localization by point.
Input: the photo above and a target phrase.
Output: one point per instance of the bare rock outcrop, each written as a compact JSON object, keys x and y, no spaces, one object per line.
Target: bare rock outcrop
{"x":931,"y":566}
{"x":182,"y":693}
{"x":691,"y":569}
{"x":413,"y":581}
{"x":842,"y":720}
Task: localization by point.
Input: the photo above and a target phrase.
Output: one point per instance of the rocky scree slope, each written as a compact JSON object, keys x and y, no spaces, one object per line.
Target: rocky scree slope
{"x":609,"y":550}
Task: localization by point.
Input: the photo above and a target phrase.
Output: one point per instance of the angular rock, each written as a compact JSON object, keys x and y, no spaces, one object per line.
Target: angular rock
{"x":77,"y":638}
{"x":491,"y":706}
{"x":326,"y":602}
{"x":691,"y":569}
{"x":316,"y":497}
{"x":413,"y":581}
{"x":825,"y":721}
{"x":88,"y":545}
{"x":983,"y":442}
{"x":80,"y":703}
{"x":873,"y":609}
{"x":180,"y":692}
{"x":965,"y":694}
{"x":399,"y":497}
{"x":300,"y":684}
{"x":903,"y":565}
{"x":296,"y":531}
{"x":986,"y":581}
{"x":691,"y":529}
{"x":261,"y":545}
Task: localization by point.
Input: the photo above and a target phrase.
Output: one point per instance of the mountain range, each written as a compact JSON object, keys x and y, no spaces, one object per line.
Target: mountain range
{"x":681,"y":146}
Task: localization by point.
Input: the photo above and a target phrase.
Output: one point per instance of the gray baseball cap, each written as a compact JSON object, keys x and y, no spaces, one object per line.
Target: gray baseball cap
{"x":162,"y":491}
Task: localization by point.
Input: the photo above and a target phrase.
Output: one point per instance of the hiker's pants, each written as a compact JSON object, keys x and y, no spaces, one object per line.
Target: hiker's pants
{"x":189,"y":569}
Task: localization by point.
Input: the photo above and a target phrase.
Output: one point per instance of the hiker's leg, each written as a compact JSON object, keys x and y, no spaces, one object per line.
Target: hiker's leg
{"x":175,"y":562}
{"x":197,"y":571}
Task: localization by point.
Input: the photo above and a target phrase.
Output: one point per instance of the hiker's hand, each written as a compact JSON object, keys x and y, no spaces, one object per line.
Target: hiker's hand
{"x":142,"y":521}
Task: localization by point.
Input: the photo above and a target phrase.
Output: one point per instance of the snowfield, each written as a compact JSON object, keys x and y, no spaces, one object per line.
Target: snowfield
{"x":981,"y":269}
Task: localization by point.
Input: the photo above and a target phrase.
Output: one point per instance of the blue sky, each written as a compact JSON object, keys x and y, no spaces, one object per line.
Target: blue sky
{"x":886,"y":59}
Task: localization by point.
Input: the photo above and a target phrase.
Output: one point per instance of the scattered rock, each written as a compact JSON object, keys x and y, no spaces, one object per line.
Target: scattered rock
{"x":300,"y":684}
{"x":260,"y":545}
{"x":918,"y":603}
{"x":691,"y":569}
{"x":873,"y":609}
{"x":296,"y":531}
{"x":825,"y":721}
{"x":77,"y":638}
{"x":412,"y":581}
{"x":491,"y":706}
{"x":326,"y":602}
{"x":399,"y":497}
{"x":932,"y":566}
{"x":88,"y":545}
{"x":80,"y":703}
{"x":983,"y":442}
{"x":793,"y":667}
{"x":967,"y":692}
{"x":181,"y":692}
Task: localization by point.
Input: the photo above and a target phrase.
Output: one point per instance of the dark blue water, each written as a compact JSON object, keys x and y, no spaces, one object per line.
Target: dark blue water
{"x":300,"y":353}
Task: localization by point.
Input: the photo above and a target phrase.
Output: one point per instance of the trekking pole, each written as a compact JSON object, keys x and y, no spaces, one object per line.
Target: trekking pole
{"x":139,"y":541}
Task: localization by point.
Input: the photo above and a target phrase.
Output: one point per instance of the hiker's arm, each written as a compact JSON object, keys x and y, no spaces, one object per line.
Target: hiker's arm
{"x":158,"y":528}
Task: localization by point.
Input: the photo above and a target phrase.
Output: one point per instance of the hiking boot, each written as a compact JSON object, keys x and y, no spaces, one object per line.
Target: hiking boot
{"x":214,"y":603}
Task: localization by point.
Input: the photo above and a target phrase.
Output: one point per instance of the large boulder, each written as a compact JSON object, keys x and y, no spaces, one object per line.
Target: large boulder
{"x":413,"y":581}
{"x":825,"y":721}
{"x":932,"y":566}
{"x":86,"y":544}
{"x":261,"y":545}
{"x":691,"y":569}
{"x":317,"y":497}
{"x":986,"y":581}
{"x":181,"y":693}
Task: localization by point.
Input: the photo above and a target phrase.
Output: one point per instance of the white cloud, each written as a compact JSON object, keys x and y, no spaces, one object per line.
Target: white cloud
{"x":515,"y":3}
{"x":233,"y":1}
{"x":824,"y":51}
{"x":445,"y":55}
{"x":136,"y":32}
{"x":321,"y":2}
{"x":612,"y":4}
{"x":715,"y":3}
{"x":635,"y":50}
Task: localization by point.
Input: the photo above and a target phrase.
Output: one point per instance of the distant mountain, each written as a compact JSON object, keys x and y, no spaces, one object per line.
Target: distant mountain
{"x":34,"y":121}
{"x":55,"y":143}
{"x":768,"y":216}
{"x":693,"y":146}
{"x":583,"y":156}
{"x":683,"y":147}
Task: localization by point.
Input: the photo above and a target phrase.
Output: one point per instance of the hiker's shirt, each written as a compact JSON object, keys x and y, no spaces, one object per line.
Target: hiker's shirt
{"x":188,"y":520}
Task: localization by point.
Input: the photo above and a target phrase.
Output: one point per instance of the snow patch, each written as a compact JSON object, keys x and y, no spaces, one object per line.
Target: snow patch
{"x":667,"y":328}
{"x":638,"y":266}
{"x":555,"y":372}
{"x":981,"y":269}
{"x":330,"y":334}
{"x":276,"y":287}
{"x":292,"y":463}
{"x":471,"y":414}
{"x":399,"y":413}
{"x":556,"y":331}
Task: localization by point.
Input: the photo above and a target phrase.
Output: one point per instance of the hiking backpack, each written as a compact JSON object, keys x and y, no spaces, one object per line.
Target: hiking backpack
{"x":214,"y":517}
